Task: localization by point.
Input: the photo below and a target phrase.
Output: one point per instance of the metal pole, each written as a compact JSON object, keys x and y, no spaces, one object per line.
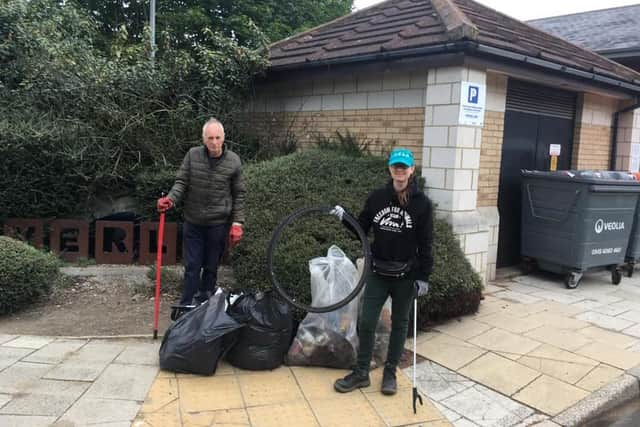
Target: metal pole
{"x":152,"y":25}
{"x":416,"y":394}
{"x":156,"y":308}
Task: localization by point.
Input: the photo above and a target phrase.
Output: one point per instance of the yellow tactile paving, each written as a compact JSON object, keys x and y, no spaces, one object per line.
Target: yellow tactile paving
{"x":197,"y":394}
{"x":235,"y":397}
{"x":225,"y":417}
{"x":167,"y":416}
{"x":352,"y":409}
{"x":163,"y":392}
{"x":397,"y":410}
{"x":317,"y":383}
{"x":166,"y":374}
{"x":376,"y":381}
{"x":269,"y":387}
{"x":282,"y":414}
{"x":226,"y":369}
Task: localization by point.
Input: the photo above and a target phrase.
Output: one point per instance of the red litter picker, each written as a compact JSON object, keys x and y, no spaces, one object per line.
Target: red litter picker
{"x":156,"y":301}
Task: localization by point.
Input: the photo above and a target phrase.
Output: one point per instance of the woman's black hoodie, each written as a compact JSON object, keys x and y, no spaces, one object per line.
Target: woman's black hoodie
{"x":400,"y":233}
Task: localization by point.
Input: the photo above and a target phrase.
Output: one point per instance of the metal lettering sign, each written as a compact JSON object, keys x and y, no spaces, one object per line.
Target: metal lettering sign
{"x":472,"y":104}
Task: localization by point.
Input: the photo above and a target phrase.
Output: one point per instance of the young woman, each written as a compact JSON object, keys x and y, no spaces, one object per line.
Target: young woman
{"x":402,"y":221}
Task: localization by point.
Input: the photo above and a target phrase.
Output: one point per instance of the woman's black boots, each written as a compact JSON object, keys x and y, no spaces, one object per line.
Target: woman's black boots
{"x":389,"y":383}
{"x":356,"y":379}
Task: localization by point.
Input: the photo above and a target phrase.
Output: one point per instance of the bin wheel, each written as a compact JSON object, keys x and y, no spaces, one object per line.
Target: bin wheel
{"x":572,"y":280}
{"x":527,"y":266}
{"x":630,"y":268}
{"x":616,"y":276}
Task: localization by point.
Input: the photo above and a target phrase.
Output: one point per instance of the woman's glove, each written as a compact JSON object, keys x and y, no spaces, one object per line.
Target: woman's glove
{"x":422,"y":287}
{"x":337,"y":211}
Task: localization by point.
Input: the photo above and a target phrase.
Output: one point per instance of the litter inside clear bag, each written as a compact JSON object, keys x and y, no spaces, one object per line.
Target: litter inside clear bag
{"x":328,"y":339}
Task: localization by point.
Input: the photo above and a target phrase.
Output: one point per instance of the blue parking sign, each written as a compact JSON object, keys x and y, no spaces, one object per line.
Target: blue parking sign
{"x":474,"y":93}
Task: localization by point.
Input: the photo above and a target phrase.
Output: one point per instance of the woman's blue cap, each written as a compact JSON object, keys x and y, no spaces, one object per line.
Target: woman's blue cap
{"x":402,"y":156}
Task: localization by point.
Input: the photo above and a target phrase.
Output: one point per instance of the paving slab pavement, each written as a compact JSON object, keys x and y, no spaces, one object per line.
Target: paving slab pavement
{"x":534,"y":354}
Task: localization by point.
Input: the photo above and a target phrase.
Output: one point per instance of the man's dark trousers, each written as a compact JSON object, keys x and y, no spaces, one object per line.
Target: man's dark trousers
{"x":203,"y":248}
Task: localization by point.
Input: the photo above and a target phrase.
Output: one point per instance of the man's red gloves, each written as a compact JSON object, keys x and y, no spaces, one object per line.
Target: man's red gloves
{"x":235,"y":234}
{"x":164,"y":204}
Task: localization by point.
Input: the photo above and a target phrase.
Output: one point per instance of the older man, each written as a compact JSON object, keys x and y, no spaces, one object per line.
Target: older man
{"x":210,"y":182}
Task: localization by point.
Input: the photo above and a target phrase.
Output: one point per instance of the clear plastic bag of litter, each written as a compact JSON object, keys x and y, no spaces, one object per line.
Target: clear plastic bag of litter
{"x":328,"y":339}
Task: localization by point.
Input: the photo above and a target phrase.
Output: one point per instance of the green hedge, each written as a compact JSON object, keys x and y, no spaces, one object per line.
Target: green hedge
{"x":327,"y":177}
{"x":26,"y":274}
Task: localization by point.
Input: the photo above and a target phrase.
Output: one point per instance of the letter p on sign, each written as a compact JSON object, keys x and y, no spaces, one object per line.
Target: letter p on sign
{"x":473,"y":94}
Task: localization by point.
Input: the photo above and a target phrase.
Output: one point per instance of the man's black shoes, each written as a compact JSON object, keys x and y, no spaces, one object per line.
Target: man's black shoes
{"x":352,"y":381}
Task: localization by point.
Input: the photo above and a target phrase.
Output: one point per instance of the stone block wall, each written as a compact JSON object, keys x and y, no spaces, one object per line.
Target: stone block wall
{"x":451,"y":161}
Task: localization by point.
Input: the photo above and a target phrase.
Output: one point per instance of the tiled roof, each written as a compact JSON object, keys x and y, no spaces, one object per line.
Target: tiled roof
{"x":411,"y":27}
{"x":599,"y":30}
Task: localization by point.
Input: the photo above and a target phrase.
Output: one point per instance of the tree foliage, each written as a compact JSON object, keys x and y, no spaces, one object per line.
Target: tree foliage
{"x":77,"y":122}
{"x":243,"y":20}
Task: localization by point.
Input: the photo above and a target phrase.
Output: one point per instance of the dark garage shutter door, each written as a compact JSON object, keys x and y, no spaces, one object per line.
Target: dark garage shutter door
{"x":536,"y":99}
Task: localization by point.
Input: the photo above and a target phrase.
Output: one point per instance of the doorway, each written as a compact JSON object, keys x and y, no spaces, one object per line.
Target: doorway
{"x":536,"y":117}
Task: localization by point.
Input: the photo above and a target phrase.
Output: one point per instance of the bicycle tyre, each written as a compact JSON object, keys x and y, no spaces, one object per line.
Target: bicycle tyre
{"x":275,"y":238}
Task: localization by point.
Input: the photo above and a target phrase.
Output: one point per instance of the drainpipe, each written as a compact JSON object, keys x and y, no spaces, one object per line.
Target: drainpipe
{"x":614,"y":134}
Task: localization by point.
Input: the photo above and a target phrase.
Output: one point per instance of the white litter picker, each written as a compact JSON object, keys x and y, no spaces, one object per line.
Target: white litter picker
{"x":422,"y":288}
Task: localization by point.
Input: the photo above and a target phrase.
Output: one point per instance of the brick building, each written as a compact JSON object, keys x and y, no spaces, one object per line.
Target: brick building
{"x":401,"y":72}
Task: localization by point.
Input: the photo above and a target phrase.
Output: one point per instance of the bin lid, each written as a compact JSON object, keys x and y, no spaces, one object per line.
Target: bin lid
{"x":585,"y":176}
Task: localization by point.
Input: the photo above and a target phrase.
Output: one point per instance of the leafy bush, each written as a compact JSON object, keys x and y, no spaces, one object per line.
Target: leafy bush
{"x":325,"y":178}
{"x":26,"y":274}
{"x":98,"y":119}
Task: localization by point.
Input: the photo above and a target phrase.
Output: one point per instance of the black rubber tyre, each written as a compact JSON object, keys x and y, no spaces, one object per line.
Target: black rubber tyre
{"x":572,"y":280}
{"x":630,"y":268}
{"x":616,"y":276}
{"x":275,"y":238}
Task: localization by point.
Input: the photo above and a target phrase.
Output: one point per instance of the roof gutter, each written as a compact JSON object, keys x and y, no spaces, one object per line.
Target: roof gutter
{"x":614,"y":133}
{"x":551,"y":66}
{"x":470,"y":47}
{"x":459,"y":46}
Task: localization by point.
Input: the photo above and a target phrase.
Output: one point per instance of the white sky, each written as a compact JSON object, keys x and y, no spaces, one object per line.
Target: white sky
{"x":525,"y":10}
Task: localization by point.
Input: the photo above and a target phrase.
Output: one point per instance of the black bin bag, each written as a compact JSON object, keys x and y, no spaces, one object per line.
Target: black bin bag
{"x":263,"y":342}
{"x":197,"y":340}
